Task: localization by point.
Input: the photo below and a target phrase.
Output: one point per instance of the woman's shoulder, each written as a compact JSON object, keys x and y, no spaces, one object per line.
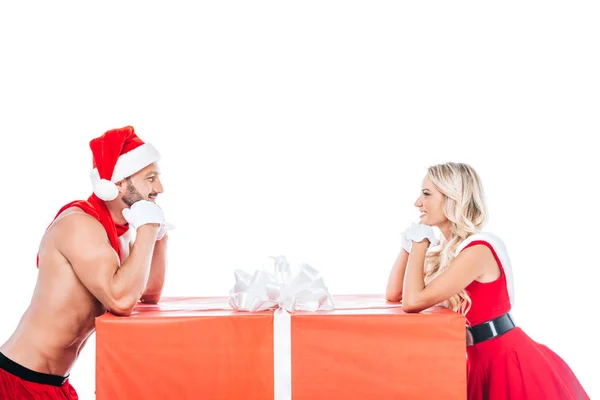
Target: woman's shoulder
{"x":498,"y":248}
{"x":489,"y":238}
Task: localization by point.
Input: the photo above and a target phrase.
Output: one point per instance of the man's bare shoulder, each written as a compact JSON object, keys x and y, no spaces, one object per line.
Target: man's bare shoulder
{"x":75,"y":229}
{"x":74,"y":220}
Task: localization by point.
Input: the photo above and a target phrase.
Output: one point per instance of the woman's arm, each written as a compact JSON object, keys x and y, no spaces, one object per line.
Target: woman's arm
{"x":463,"y":270}
{"x":393,"y":291}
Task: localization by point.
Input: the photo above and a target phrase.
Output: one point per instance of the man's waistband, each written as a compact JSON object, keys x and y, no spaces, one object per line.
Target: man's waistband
{"x":29,"y":375}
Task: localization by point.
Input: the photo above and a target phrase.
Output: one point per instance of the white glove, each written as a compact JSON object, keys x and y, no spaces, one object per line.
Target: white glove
{"x":144,"y":212}
{"x":417,"y":232}
{"x":163,"y":230}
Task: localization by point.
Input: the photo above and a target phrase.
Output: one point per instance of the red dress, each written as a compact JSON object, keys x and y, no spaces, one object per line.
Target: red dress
{"x":511,"y":366}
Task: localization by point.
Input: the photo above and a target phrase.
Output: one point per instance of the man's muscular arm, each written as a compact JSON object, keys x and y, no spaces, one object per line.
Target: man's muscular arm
{"x":84,"y":243}
{"x":158,"y":271}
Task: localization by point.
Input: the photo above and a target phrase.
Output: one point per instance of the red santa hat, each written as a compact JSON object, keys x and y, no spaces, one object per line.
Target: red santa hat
{"x":118,"y":154}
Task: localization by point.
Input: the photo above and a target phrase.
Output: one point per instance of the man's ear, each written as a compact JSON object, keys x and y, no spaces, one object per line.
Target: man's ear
{"x":121,"y":186}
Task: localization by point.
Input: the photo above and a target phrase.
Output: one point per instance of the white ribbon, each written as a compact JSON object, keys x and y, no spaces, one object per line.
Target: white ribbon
{"x":276,"y":289}
{"x":282,"y":355}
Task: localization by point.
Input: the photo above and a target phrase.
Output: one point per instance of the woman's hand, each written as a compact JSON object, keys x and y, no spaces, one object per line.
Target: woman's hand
{"x":418,"y":233}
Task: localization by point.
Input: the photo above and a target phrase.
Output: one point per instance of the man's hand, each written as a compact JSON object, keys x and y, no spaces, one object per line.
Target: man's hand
{"x":144,"y":212}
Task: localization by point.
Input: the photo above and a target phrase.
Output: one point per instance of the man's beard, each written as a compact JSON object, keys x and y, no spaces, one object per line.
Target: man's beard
{"x":131,"y":195}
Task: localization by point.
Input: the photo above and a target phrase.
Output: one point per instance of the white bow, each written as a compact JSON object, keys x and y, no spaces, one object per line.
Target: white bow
{"x":266,"y":290}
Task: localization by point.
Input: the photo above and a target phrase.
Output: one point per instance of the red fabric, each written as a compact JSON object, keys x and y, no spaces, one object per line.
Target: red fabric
{"x":97,"y":209}
{"x":512,"y":366}
{"x":492,"y":297}
{"x":108,"y":148}
{"x":14,"y":388}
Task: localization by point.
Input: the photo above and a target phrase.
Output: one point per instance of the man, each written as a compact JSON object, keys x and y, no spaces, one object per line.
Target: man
{"x":88,"y":264}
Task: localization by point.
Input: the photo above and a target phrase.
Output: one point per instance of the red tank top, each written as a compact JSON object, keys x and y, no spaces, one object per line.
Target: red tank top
{"x":490,"y":299}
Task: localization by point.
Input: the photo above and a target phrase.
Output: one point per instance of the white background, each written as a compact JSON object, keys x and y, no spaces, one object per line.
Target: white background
{"x":305,"y":129}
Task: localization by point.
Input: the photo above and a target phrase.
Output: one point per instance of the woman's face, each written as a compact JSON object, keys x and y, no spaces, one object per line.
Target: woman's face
{"x":431,"y":205}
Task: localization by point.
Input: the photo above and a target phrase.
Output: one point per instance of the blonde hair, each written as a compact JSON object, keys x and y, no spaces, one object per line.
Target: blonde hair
{"x":465,"y":210}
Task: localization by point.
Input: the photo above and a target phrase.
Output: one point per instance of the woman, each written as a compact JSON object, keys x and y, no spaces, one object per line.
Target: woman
{"x":469,"y":272}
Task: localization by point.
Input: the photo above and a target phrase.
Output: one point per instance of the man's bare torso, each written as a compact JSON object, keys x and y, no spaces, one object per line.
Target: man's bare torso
{"x":61,"y":315}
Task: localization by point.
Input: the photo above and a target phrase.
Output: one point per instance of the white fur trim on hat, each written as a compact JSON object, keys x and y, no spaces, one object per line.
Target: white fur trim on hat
{"x":134,"y":161}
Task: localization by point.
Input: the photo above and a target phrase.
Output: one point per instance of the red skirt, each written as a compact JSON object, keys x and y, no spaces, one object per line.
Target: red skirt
{"x":20,"y":383}
{"x":515,"y":367}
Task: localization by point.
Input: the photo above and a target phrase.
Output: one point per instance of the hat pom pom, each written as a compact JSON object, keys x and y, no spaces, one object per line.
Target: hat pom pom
{"x":106,"y":190}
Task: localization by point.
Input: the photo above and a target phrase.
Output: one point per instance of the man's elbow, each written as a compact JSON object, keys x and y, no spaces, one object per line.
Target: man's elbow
{"x":121,"y":311}
{"x":123,"y":308}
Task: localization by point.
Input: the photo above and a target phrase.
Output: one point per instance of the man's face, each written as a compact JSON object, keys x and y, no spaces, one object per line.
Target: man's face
{"x":144,"y":185}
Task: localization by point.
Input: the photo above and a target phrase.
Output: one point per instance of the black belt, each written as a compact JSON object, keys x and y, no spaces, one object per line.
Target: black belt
{"x":491,"y":329}
{"x":32,"y":376}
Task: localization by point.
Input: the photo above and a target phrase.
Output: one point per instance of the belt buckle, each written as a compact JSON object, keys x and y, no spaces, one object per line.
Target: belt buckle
{"x":492,"y":325}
